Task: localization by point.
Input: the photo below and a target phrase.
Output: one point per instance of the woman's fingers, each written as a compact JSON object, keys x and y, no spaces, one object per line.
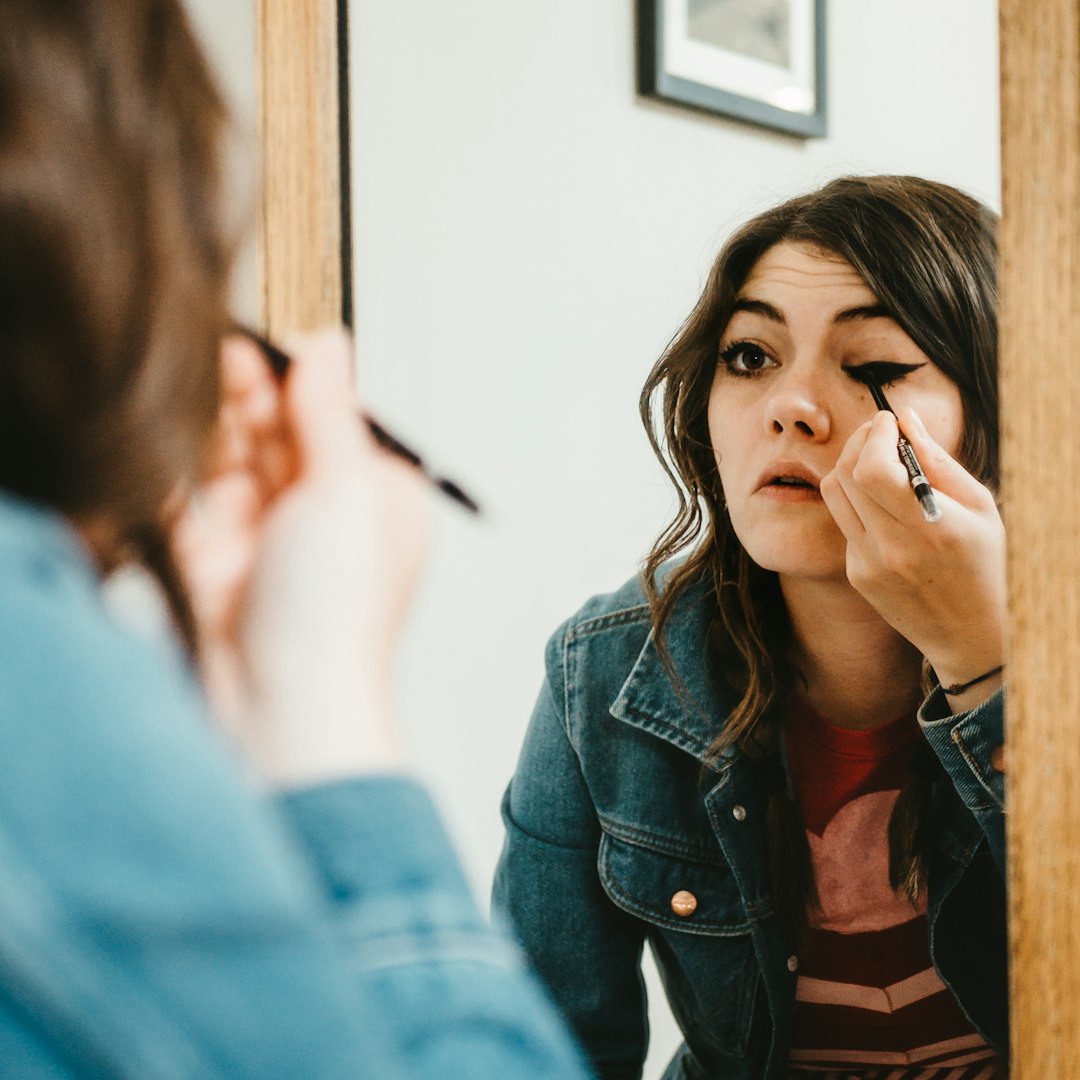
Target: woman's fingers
{"x":318,"y":385}
{"x":250,"y":436}
{"x":876,"y":480}
{"x":943,"y":471}
{"x":879,"y":488}
{"x":213,"y":543}
{"x":867,"y":491}
{"x":839,"y":505}
{"x":939,"y":584}
{"x":340,"y":553}
{"x":242,"y":367}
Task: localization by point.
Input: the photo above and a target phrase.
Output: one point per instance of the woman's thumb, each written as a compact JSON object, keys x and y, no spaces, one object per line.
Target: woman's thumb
{"x":942,"y":470}
{"x":320,"y":399}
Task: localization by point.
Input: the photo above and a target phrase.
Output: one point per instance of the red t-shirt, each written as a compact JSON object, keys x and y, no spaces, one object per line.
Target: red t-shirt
{"x":868,"y":1002}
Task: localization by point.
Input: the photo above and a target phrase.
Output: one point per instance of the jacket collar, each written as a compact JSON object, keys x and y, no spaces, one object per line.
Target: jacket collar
{"x":651,"y":701}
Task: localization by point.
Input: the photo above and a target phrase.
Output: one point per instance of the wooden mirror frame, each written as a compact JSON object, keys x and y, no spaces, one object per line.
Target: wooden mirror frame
{"x":1040,"y":351}
{"x":305,"y":251}
{"x":305,"y":271}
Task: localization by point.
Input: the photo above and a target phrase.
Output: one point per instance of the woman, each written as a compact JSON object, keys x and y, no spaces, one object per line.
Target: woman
{"x":168,"y":910}
{"x":729,"y":759}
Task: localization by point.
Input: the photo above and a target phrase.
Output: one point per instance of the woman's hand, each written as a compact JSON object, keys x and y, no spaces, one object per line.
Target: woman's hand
{"x":301,"y":549}
{"x":941,"y":585}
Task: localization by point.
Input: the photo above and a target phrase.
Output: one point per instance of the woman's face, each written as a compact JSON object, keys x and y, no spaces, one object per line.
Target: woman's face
{"x":783,"y":400}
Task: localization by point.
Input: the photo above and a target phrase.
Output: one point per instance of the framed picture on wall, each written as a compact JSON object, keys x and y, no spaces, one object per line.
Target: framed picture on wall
{"x":761,"y":61}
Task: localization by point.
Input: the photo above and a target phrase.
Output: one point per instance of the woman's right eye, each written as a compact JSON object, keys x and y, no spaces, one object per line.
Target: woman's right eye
{"x":745,"y":358}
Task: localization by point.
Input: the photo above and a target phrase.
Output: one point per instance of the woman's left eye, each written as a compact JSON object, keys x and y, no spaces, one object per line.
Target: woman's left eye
{"x":884,"y":372}
{"x":745,"y":358}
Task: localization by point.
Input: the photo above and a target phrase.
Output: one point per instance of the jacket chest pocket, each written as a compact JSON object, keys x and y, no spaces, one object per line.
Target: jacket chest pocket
{"x":699,"y":934}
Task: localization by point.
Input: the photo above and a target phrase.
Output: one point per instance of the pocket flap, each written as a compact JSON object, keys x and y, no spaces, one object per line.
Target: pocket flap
{"x":646,"y":883}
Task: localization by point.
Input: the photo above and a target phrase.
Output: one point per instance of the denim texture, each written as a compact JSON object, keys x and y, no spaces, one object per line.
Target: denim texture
{"x":612,"y":810}
{"x":161,"y":917}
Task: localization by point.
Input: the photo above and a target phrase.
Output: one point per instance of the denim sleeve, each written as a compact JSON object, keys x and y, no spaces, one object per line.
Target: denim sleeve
{"x":547,"y":887}
{"x":162,"y":918}
{"x":963,"y":743}
{"x":454,"y":999}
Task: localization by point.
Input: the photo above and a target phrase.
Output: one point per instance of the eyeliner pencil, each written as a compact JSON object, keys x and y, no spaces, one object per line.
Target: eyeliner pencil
{"x":919,"y":484}
{"x":280,"y":361}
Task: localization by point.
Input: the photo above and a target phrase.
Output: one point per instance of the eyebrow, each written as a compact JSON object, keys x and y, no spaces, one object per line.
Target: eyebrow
{"x":854,"y":314}
{"x":867,"y":311}
{"x":760,"y":307}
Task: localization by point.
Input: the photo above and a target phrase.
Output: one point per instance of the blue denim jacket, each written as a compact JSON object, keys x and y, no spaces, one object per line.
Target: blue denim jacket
{"x":161,"y":918}
{"x":611,"y":812}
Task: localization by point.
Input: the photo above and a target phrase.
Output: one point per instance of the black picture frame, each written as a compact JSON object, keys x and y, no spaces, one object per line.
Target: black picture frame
{"x":733,"y":84}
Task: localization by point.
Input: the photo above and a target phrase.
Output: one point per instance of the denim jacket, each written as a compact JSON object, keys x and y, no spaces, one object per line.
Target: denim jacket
{"x":612,"y":811}
{"x":160,"y":917}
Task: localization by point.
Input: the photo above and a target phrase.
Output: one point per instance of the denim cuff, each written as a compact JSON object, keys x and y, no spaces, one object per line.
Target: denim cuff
{"x":964,"y":742}
{"x":384,"y":859}
{"x":450,"y":996}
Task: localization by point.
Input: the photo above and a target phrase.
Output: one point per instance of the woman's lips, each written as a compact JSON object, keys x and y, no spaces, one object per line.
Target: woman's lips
{"x":790,"y":493}
{"x":789,"y":481}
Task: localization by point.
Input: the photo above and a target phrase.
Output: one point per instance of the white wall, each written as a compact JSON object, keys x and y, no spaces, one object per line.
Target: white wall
{"x":227,"y":30}
{"x":528,"y":234}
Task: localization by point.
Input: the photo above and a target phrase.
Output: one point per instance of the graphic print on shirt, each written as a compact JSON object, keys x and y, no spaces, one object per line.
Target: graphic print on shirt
{"x":868,"y":1001}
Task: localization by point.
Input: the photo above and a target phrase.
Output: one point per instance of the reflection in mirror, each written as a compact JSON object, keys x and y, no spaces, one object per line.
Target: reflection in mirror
{"x":541,"y":232}
{"x":529,"y":235}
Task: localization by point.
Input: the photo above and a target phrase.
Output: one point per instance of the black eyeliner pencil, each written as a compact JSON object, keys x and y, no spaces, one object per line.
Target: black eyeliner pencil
{"x":919,"y":484}
{"x":280,"y":361}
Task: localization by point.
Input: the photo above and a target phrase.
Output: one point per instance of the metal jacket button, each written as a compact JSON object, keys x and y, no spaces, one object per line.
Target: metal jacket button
{"x":684,"y":903}
{"x":738,"y":812}
{"x":793,"y":963}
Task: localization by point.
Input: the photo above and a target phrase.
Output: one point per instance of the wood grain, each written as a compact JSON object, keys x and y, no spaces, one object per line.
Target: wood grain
{"x":300,"y":231}
{"x":1040,"y":103}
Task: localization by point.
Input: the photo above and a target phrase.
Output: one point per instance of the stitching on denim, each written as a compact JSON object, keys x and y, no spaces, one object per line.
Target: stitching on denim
{"x":756,"y":912}
{"x":566,"y":685}
{"x":512,"y":824}
{"x":675,"y":736}
{"x":702,"y":927}
{"x":961,"y":835}
{"x":659,"y":843}
{"x":602,"y":622}
{"x":958,"y":741}
{"x":405,"y":949}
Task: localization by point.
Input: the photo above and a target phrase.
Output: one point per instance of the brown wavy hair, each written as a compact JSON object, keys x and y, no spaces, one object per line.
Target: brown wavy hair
{"x":114,"y":265}
{"x":929,"y":253}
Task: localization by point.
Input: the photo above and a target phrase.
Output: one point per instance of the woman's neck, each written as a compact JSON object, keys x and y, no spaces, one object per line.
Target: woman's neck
{"x":860,"y":673}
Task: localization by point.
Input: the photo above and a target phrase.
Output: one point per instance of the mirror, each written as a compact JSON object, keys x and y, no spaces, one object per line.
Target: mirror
{"x":528,"y":234}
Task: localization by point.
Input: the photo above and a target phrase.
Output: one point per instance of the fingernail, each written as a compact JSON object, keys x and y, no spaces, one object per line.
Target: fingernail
{"x":920,"y":427}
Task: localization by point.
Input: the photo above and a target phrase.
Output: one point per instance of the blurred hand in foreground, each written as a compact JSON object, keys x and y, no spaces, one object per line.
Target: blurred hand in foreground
{"x":301,"y":548}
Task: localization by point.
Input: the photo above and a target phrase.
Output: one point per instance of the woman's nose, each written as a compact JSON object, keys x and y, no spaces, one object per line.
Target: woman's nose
{"x":797,"y":409}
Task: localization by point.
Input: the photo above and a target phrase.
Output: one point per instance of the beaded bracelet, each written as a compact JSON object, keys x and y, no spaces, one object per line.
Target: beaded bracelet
{"x":960,"y":687}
